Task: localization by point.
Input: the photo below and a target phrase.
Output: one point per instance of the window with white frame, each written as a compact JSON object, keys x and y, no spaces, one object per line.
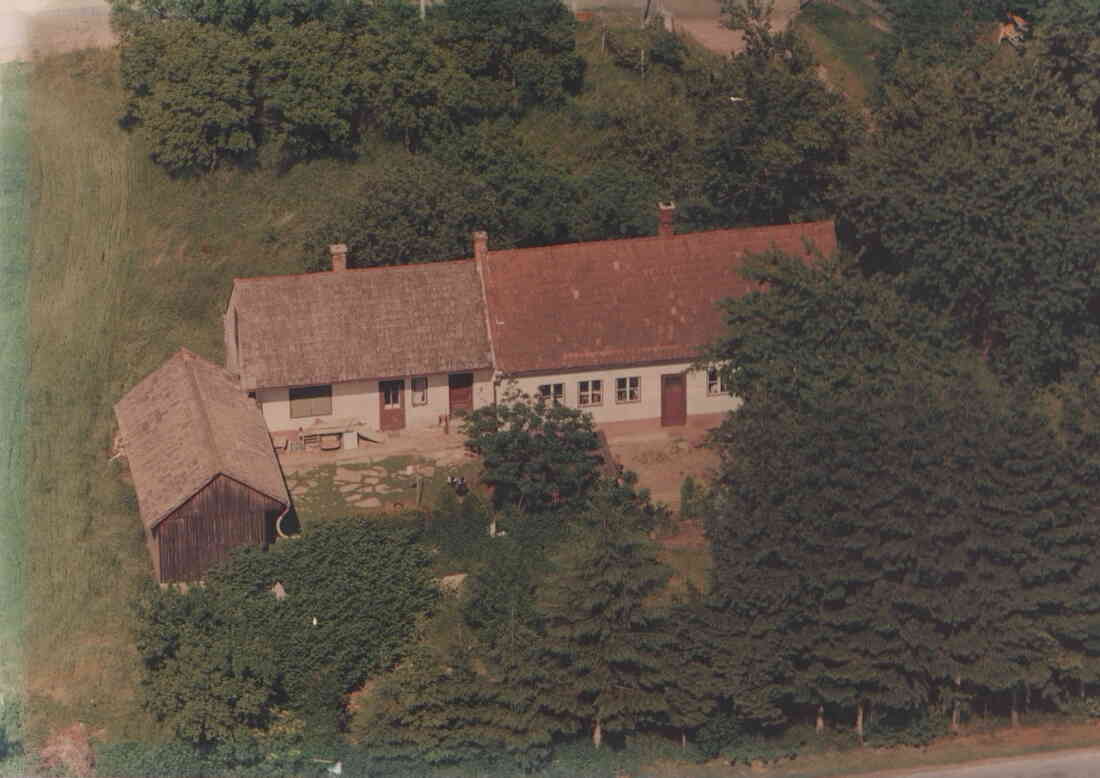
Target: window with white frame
{"x":420,"y":390}
{"x":589,"y":393}
{"x":628,"y":390}
{"x":553,"y":392}
{"x":716,"y":382}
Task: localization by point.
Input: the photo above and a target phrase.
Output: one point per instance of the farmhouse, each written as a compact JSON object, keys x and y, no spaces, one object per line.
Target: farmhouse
{"x":612,"y":327}
{"x":206,"y":477}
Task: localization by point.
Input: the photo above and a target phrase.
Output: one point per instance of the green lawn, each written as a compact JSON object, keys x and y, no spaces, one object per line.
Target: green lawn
{"x":13,"y":335}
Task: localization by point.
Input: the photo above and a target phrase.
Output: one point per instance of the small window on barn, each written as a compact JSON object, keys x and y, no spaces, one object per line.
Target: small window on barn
{"x":628,"y":390}
{"x":420,"y":390}
{"x":589,"y":393}
{"x":716,"y":382}
{"x":310,"y":401}
{"x":553,"y":392}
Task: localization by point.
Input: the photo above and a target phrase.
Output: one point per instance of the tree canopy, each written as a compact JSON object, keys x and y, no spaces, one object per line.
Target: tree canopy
{"x":999,"y":227}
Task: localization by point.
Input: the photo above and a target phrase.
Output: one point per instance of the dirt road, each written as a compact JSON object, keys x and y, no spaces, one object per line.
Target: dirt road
{"x":34,"y":28}
{"x":1072,"y":764}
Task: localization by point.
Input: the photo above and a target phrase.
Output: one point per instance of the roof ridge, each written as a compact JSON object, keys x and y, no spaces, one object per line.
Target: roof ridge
{"x":212,"y":444}
{"x":664,"y":238}
{"x":329,"y":273}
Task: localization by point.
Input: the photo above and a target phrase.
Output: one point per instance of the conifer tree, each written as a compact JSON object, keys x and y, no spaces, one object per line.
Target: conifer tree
{"x":604,"y":662}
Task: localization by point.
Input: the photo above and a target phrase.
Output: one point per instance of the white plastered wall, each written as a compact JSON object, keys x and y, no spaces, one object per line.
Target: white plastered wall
{"x":360,"y":400}
{"x":649,"y":404}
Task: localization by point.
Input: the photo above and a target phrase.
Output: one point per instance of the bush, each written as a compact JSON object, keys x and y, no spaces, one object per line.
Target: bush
{"x":137,"y":760}
{"x":905,"y":728}
{"x":689,"y":496}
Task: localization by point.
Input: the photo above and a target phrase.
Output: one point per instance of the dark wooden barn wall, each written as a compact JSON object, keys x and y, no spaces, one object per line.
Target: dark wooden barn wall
{"x":200,"y":533}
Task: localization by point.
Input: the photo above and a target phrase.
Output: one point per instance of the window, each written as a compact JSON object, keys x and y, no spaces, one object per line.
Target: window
{"x":553,"y":392}
{"x":391,"y":393}
{"x":589,"y":393}
{"x":628,"y":390}
{"x":420,"y":390}
{"x":716,"y":382}
{"x":310,"y":401}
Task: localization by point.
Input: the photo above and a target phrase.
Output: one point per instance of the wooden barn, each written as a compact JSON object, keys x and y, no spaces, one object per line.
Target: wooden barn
{"x":206,"y":476}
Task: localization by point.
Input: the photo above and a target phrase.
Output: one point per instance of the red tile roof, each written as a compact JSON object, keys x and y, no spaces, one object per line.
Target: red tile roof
{"x":624,"y":301}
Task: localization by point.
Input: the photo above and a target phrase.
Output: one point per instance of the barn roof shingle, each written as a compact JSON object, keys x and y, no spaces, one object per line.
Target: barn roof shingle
{"x":619,"y":302}
{"x":186,"y":423}
{"x":321,"y":328}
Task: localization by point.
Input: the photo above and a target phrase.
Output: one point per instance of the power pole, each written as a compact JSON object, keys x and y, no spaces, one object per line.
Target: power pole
{"x":423,"y":10}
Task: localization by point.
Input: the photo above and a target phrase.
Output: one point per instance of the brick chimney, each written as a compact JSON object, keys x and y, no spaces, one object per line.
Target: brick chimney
{"x":339,"y":252}
{"x":481,"y":245}
{"x":666,"y":212}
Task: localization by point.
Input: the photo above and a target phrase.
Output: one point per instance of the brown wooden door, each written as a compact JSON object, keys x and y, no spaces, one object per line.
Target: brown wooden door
{"x":391,"y":395}
{"x":673,"y":400}
{"x":461,"y":386}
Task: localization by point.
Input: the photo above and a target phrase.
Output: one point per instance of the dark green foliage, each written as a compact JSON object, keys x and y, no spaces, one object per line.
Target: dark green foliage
{"x":893,"y":529}
{"x":309,"y":88}
{"x":819,"y":332}
{"x":223,"y":659}
{"x":537,"y":201}
{"x":501,"y":603}
{"x":917,"y":730}
{"x":238,"y":15}
{"x":689,"y":495}
{"x":246,"y":758}
{"x":306,"y":79}
{"x":414,"y":89}
{"x":604,"y":662}
{"x":999,"y":227}
{"x":537,"y":455}
{"x":616,"y":201}
{"x":190,"y":90}
{"x":932,"y":32}
{"x":138,"y":760}
{"x":441,"y":709}
{"x":639,"y":49}
{"x":526,"y":48}
{"x":205,"y":672}
{"x":380,"y":228}
{"x":773,"y":133}
{"x":1066,"y":32}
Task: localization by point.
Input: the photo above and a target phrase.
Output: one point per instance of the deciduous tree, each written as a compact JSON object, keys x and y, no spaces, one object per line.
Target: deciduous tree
{"x":999,"y":227}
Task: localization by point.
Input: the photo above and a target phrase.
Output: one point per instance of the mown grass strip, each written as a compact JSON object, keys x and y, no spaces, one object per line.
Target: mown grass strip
{"x":13,"y":335}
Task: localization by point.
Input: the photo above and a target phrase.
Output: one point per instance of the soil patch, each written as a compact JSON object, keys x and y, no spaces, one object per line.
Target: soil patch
{"x":29,"y":35}
{"x":663,"y":463}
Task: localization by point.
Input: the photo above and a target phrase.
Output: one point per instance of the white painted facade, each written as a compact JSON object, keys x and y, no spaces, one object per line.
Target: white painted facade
{"x":361,"y":401}
{"x":648,"y":404}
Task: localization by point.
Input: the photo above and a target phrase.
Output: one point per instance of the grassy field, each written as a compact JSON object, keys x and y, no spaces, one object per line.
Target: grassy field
{"x":13,"y":180}
{"x":125,"y":267}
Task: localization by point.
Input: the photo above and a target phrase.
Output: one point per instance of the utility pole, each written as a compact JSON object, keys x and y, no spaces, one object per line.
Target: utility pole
{"x":423,"y":10}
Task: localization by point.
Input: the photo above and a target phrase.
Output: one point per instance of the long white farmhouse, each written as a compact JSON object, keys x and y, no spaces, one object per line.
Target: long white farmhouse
{"x":612,"y":327}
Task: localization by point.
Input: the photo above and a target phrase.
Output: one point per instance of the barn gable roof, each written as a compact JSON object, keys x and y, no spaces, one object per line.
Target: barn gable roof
{"x":620,"y":302}
{"x":185,"y":424}
{"x":321,"y":328}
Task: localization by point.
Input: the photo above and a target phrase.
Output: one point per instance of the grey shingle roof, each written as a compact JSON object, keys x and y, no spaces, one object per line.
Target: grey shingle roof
{"x":321,"y":328}
{"x":184,"y":424}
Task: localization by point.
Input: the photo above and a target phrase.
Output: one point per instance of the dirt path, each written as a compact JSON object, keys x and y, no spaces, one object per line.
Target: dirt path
{"x":30,"y":29}
{"x":708,"y":30}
